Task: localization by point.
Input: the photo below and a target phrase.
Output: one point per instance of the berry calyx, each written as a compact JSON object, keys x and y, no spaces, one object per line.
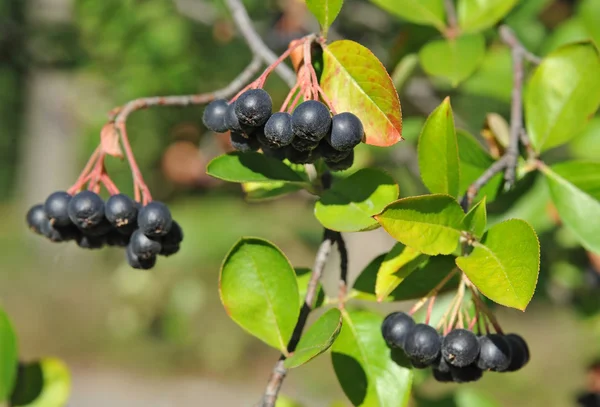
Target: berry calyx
{"x":253,"y":107}
{"x":460,"y":347}
{"x":519,"y":351}
{"x":395,"y":328}
{"x":86,"y":209}
{"x":143,"y":246}
{"x":346,"y":132}
{"x":495,"y":353}
{"x":242,"y":143}
{"x":278,"y":130}
{"x":120,"y":210}
{"x":155,"y":219}
{"x":422,"y":344}
{"x":56,"y":208}
{"x":214,"y":116}
{"x":36,"y":216}
{"x":311,"y":120}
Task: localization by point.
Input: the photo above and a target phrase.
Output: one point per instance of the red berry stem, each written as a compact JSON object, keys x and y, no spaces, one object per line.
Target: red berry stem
{"x":84,"y":175}
{"x":289,"y":97}
{"x":141,"y":190}
{"x":433,"y":292}
{"x":109,"y":184}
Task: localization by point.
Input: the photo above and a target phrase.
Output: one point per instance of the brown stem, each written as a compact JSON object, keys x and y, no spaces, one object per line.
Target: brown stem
{"x":343,"y":283}
{"x":452,"y":19}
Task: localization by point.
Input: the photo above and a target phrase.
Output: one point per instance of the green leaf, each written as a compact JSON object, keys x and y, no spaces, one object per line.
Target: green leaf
{"x":453,"y":59}
{"x":586,"y":144}
{"x":284,"y":401}
{"x":356,"y":81}
{"x":575,"y":190}
{"x":468,"y":397}
{"x":476,"y":219}
{"x":571,"y":30}
{"x":349,"y":205}
{"x":325,"y":11}
{"x":438,"y":151}
{"x":8,"y":356}
{"x":589,"y":12}
{"x":317,"y":339}
{"x":259,"y":291}
{"x":250,"y":167}
{"x":562,"y":95}
{"x":397,"y":265}
{"x":504,"y":266}
{"x":420,"y":282}
{"x":427,"y":12}
{"x":44,"y":383}
{"x":260,"y":191}
{"x":477,"y":15}
{"x":303,"y":278}
{"x":364,"y":366}
{"x":474,"y":161}
{"x":493,"y":78}
{"x":430,"y":224}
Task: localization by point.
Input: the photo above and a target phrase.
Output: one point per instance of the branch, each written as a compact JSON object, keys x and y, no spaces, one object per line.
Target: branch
{"x":256,"y":44}
{"x":279,"y":371}
{"x":476,"y":186}
{"x":452,"y":20}
{"x":343,"y":284}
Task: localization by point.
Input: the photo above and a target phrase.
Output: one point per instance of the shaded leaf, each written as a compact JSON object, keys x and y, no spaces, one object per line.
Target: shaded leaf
{"x":428,"y":12}
{"x":474,"y":161}
{"x":562,"y":95}
{"x":493,"y":78}
{"x":45,"y":383}
{"x":571,"y":30}
{"x":250,"y":167}
{"x":109,"y":141}
{"x":476,"y":219}
{"x":259,"y":291}
{"x":364,"y":366}
{"x":317,"y":339}
{"x":477,"y":15}
{"x":397,"y":265}
{"x":356,"y":81}
{"x":453,"y":59}
{"x":349,"y":205}
{"x":260,"y":191}
{"x":303,"y":277}
{"x":430,"y":224}
{"x":325,"y":11}
{"x":8,"y":356}
{"x":575,"y":190}
{"x":438,"y":152}
{"x":504,"y":266}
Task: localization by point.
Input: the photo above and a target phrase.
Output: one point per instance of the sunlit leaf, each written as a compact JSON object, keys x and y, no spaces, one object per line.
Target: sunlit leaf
{"x":476,"y":219}
{"x":397,"y":265}
{"x":8,"y":356}
{"x":260,"y":191}
{"x":477,"y":15}
{"x":251,"y":167}
{"x":44,"y":383}
{"x":428,"y":12}
{"x":325,"y":11}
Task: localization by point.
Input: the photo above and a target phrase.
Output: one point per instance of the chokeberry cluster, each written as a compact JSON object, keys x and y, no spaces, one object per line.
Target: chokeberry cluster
{"x":144,"y":231}
{"x":460,"y":356}
{"x":307,"y":134}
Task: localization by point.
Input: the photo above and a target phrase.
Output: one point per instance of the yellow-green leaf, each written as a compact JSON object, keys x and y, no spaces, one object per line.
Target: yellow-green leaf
{"x":477,"y":15}
{"x":397,"y":265}
{"x":8,"y":356}
{"x":44,"y":383}
{"x":325,"y":11}
{"x":476,"y":219}
{"x":427,"y":12}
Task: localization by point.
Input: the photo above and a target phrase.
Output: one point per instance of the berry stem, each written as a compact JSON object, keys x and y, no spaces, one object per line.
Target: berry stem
{"x":488,"y":313}
{"x":84,"y":175}
{"x":433,"y":292}
{"x":289,"y":97}
{"x":430,"y":309}
{"x":138,"y":180}
{"x":456,"y":311}
{"x":260,"y":82}
{"x":295,"y":102}
{"x":109,"y":184}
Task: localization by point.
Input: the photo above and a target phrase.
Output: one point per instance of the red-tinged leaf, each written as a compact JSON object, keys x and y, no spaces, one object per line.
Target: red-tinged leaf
{"x":109,"y":140}
{"x":355,"y":81}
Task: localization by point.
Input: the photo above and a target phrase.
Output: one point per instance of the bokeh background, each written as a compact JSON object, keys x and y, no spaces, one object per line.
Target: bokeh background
{"x":161,"y":338}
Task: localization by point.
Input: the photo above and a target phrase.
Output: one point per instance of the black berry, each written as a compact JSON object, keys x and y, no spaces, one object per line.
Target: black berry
{"x":143,"y":246}
{"x":91,"y":242}
{"x":460,"y":347}
{"x":137,"y":263}
{"x":101,"y":229}
{"x":59,"y":233}
{"x":441,"y":364}
{"x":442,"y":377}
{"x":116,"y":239}
{"x":86,"y":209}
{"x":36,"y":216}
{"x":301,"y":144}
{"x":56,"y":208}
{"x":494,"y":354}
{"x":422,"y":344}
{"x":231,"y":120}
{"x":519,"y":352}
{"x":343,"y":164}
{"x":244,"y":143}
{"x":395,"y":328}
{"x":278,"y":130}
{"x":120,"y":210}
{"x":155,"y":219}
{"x":466,"y":374}
{"x":253,"y":107}
{"x":346,"y":132}
{"x":301,"y":157}
{"x":277,"y":153}
{"x":174,"y":237}
{"x":330,"y":154}
{"x":311,"y":120}
{"x":214,"y":116}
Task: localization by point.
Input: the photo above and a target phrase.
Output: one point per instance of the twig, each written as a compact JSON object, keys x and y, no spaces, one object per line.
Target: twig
{"x":435,"y":291}
{"x":452,"y":20}
{"x":256,"y":44}
{"x":279,"y":371}
{"x":480,"y":182}
{"x":343,"y":284}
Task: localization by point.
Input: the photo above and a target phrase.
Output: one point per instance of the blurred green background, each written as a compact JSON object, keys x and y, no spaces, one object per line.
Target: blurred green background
{"x":161,"y":338}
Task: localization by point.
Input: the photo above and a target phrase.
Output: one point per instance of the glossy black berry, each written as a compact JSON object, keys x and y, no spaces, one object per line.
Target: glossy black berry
{"x":346,"y":132}
{"x":214,"y":116}
{"x":278,"y":129}
{"x":57,"y":208}
{"x":143,"y":246}
{"x":442,"y":377}
{"x":116,"y":239}
{"x":460,"y":347}
{"x":101,"y":229}
{"x":311,"y":120}
{"x":120,"y":210}
{"x":422,"y":344}
{"x":301,"y":144}
{"x":494,"y":354}
{"x":243,"y":143}
{"x":86,"y":209}
{"x":330,"y":154}
{"x":59,"y":233}
{"x":519,"y":351}
{"x":36,"y":216}
{"x":253,"y":107}
{"x":231,"y":120}
{"x":138,"y":263}
{"x":301,"y":157}
{"x":343,"y":164}
{"x":171,"y":241}
{"x":277,"y":153}
{"x":395,"y":328}
{"x":91,"y":242}
{"x":465,"y":374}
{"x":155,"y":219}
{"x":441,"y":364}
